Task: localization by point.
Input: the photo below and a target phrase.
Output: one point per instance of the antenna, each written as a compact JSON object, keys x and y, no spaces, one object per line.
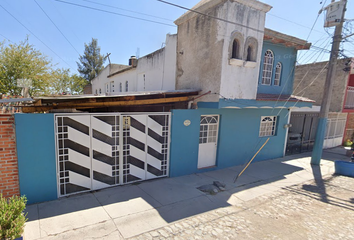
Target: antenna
{"x":109,"y":60}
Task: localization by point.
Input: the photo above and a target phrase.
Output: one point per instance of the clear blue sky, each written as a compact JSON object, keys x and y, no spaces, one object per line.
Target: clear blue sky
{"x":122,"y":36}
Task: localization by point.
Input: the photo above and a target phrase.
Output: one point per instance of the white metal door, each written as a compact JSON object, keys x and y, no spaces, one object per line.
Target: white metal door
{"x":145,"y":144}
{"x":208,"y":137}
{"x":96,"y":151}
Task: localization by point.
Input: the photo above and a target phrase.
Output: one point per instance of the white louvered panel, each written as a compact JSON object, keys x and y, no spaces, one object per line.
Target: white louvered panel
{"x":78,"y":137}
{"x":140,"y":118}
{"x":137,"y":153}
{"x":99,"y":185}
{"x":154,"y":144}
{"x":85,"y":120}
{"x":154,"y":162}
{"x":101,"y":147}
{"x":79,"y":159}
{"x":79,"y":180}
{"x":138,"y":135}
{"x":101,"y":167}
{"x":101,"y":126}
{"x":138,"y":172}
{"x":155,"y":126}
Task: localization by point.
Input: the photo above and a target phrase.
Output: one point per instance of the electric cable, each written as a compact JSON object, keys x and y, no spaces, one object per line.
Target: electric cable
{"x":57,"y":27}
{"x":34,"y":35}
{"x":118,"y":14}
{"x":144,"y":14}
{"x":5,"y":37}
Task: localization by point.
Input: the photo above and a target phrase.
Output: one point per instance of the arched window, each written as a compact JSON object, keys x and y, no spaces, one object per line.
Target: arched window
{"x":251,"y":49}
{"x":120,"y":87}
{"x":236,"y":46}
{"x":96,"y":91}
{"x":100,"y":91}
{"x":249,"y":53}
{"x":268,"y":62}
{"x":277,"y":76}
{"x":235,"y":49}
{"x":126,"y":86}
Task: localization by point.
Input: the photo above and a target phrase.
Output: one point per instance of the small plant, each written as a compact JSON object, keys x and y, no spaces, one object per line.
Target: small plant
{"x":12,"y":218}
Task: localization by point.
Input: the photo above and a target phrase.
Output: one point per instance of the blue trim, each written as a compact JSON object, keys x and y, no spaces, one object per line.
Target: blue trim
{"x":208,"y":105}
{"x":318,"y":146}
{"x":251,"y":103}
{"x":35,"y":141}
{"x":238,"y":138}
{"x":287,"y":57}
{"x":244,"y":103}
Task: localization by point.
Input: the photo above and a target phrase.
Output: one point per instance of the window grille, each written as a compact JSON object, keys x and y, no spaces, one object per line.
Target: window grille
{"x":208,"y":129}
{"x":268,"y":126}
{"x":277,"y":77}
{"x":267,"y":67}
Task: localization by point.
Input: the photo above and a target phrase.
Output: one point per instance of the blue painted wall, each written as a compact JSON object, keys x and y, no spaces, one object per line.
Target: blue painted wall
{"x":285,"y":55}
{"x":36,"y":156}
{"x":238,"y":138}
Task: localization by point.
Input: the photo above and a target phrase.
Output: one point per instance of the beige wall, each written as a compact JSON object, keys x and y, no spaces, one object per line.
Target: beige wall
{"x":204,"y":49}
{"x":310,"y":80}
{"x":199,"y":55}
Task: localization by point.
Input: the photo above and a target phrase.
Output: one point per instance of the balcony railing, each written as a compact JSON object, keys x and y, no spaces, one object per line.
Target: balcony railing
{"x":349,"y":102}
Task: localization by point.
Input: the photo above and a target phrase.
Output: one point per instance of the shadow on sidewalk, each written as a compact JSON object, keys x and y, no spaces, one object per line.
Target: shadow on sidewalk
{"x":155,"y":203}
{"x":318,"y":190}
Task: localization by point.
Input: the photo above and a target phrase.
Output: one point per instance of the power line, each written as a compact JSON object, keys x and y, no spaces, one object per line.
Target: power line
{"x":34,"y":35}
{"x":123,"y":15}
{"x":129,"y":10}
{"x":295,"y":22}
{"x":5,"y":37}
{"x":206,"y":15}
{"x":66,"y":22}
{"x":57,"y":27}
{"x":318,"y":15}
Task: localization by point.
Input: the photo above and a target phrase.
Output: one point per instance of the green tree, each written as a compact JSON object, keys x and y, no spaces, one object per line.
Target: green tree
{"x":23,"y":61}
{"x":62,"y":81}
{"x":91,"y":63}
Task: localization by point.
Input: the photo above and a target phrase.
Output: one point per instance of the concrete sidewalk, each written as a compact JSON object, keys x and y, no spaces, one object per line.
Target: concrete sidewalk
{"x":127,"y":211}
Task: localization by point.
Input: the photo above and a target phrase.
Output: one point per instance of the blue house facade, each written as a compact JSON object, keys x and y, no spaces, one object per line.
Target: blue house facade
{"x":244,"y":75}
{"x":246,"y":85}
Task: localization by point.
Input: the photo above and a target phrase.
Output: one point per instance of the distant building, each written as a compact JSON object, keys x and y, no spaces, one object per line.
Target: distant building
{"x":154,"y":72}
{"x":309,"y":82}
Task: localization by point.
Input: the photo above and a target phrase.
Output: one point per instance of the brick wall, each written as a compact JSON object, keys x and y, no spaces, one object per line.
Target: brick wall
{"x":311,"y":80}
{"x":9,"y":183}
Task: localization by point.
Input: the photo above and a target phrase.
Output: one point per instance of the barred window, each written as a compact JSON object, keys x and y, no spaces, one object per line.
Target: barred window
{"x":277,"y":74}
{"x":208,"y":129}
{"x":268,"y":62}
{"x":268,"y":125}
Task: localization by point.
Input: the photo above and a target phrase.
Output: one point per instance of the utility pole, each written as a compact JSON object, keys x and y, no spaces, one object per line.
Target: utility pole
{"x":327,"y":95}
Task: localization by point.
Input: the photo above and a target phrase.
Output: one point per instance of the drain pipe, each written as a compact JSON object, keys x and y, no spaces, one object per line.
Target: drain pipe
{"x":192,"y":101}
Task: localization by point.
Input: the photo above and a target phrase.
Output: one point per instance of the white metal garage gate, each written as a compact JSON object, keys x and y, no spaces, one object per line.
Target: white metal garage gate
{"x":96,"y":151}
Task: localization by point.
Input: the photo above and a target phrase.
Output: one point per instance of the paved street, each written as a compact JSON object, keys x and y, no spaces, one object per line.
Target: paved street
{"x":311,"y":210}
{"x":284,"y":198}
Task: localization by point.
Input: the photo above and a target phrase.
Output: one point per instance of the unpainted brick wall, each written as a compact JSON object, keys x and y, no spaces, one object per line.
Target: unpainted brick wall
{"x":9,"y":183}
{"x":310,"y":81}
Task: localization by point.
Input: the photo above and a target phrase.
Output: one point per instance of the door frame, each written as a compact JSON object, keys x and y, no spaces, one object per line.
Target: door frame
{"x":216,"y":140}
